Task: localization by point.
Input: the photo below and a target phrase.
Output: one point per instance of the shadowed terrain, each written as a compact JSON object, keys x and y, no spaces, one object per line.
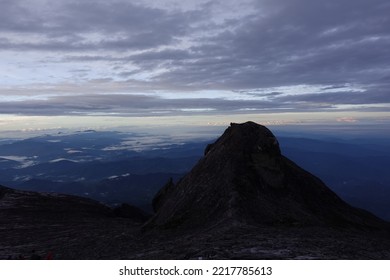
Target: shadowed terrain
{"x":242,"y":200}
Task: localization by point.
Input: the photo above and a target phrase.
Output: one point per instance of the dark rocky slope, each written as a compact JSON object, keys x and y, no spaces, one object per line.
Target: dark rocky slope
{"x":70,"y":227}
{"x":243,"y":179}
{"x":48,"y":206}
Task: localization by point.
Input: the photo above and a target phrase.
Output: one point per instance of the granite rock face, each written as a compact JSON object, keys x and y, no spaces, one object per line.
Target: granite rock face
{"x":243,"y":179}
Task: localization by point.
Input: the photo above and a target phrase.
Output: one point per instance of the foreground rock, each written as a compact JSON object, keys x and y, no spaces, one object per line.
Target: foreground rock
{"x":68,"y":226}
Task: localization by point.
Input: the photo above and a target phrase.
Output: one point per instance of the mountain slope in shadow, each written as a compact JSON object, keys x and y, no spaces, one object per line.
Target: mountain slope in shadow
{"x":244,"y":179}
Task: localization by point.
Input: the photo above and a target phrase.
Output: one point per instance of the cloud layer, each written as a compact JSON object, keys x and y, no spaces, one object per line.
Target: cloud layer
{"x":193,"y":57}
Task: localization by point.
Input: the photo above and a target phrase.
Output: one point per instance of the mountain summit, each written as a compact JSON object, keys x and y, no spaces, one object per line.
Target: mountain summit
{"x":243,"y":179}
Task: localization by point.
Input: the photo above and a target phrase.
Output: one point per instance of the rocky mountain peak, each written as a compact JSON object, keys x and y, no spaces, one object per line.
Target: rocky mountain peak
{"x":246,"y":138}
{"x":244,"y":179}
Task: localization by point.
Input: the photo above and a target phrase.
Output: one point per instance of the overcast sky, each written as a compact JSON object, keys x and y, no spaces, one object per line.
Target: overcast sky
{"x":190,"y":58}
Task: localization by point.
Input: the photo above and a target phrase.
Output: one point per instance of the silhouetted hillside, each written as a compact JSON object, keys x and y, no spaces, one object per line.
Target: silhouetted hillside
{"x":244,"y":179}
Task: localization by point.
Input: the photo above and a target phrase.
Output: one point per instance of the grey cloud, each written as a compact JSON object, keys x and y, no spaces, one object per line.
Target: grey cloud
{"x":290,"y":46}
{"x":131,"y":105}
{"x":168,"y":54}
{"x":74,"y":25}
{"x":293,"y":42}
{"x":281,"y":43}
{"x":352,"y":98}
{"x":153,"y":105}
{"x":15,"y":17}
